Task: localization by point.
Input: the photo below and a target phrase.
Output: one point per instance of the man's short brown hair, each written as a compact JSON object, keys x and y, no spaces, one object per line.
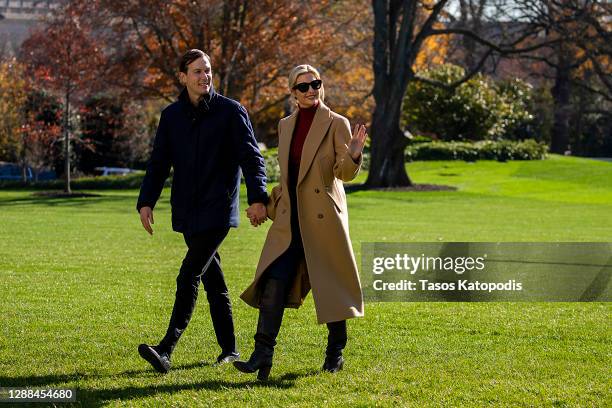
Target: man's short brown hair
{"x":191,"y":56}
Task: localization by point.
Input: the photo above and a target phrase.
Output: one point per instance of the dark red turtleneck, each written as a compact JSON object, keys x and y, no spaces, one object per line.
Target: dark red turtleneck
{"x":302,"y":126}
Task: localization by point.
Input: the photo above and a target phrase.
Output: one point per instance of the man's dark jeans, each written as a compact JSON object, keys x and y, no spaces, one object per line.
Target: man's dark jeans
{"x":202,"y":263}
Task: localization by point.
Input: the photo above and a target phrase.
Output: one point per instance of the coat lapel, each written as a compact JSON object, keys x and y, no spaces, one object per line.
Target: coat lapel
{"x":318,"y":129}
{"x":284,"y":144}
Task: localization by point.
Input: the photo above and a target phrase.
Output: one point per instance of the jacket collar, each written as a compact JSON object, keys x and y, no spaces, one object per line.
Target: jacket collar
{"x":205,"y":104}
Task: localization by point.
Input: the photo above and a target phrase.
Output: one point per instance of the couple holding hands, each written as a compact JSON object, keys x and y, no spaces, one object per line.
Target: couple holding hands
{"x":207,"y":138}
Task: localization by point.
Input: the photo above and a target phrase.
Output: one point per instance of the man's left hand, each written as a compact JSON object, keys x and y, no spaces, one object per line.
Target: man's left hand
{"x":257,"y":214}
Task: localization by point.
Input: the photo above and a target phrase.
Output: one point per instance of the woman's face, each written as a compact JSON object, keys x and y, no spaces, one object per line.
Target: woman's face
{"x":311,"y":96}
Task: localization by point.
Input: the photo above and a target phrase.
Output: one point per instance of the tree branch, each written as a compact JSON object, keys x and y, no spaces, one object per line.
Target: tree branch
{"x":467,"y":77}
{"x":500,"y":49}
{"x":426,"y":29}
{"x":588,"y":88}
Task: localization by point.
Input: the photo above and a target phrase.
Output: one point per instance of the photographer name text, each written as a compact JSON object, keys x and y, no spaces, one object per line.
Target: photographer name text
{"x":459,"y":265}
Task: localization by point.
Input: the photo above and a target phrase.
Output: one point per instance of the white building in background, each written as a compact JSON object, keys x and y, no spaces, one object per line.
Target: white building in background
{"x":17,"y":19}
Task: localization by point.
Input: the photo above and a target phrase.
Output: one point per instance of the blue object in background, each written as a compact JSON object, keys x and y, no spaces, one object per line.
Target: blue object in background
{"x":13,"y":171}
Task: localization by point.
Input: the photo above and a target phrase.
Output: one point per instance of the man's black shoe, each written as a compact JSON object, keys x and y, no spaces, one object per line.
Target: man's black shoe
{"x":160,"y":360}
{"x":225,"y":358}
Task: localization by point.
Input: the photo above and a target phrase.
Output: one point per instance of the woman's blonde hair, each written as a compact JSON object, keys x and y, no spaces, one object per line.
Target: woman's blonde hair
{"x":304,"y":69}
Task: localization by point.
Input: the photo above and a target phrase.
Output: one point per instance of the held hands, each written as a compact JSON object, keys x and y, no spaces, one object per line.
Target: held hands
{"x":257,"y":214}
{"x":357,"y":142}
{"x":146,"y":218}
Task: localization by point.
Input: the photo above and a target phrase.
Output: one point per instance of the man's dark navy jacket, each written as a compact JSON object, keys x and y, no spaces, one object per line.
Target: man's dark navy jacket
{"x":206,"y":145}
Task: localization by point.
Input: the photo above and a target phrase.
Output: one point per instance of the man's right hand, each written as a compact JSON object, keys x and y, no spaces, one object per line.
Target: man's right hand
{"x":146,"y":218}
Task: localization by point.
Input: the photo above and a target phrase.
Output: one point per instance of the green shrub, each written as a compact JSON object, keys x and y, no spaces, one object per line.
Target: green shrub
{"x":272,"y":166}
{"x":365,"y":164}
{"x":479,"y":109}
{"x":420,"y":139}
{"x":484,"y":150}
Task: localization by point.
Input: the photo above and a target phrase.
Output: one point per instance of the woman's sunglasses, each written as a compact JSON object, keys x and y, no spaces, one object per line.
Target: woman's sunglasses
{"x":303,"y":87}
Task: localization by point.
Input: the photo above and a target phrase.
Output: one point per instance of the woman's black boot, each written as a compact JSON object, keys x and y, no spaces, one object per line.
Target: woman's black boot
{"x":336,"y":341}
{"x":271,"y":309}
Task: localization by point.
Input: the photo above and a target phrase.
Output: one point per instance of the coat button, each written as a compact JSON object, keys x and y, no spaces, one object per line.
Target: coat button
{"x":320,"y":216}
{"x":317,"y":190}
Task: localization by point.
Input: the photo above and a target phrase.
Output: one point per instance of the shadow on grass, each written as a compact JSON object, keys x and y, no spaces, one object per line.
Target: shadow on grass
{"x":102,"y":396}
{"x":65,"y":201}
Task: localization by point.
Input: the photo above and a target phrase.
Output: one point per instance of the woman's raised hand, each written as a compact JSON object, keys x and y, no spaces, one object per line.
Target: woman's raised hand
{"x":357,"y":141}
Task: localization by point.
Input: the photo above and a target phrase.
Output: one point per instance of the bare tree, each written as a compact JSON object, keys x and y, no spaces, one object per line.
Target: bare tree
{"x":579,"y":57}
{"x":401,"y":27}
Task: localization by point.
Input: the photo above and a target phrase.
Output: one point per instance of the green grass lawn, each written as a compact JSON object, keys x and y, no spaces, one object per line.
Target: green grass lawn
{"x":82,"y":285}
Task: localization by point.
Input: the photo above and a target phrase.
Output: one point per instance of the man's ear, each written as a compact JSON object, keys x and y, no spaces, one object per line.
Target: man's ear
{"x":182,"y":78}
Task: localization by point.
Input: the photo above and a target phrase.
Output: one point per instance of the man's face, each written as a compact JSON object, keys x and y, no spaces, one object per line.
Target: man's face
{"x":198,"y":78}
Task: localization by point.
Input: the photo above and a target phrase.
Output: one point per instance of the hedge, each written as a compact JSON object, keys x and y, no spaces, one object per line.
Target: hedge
{"x":502,"y":150}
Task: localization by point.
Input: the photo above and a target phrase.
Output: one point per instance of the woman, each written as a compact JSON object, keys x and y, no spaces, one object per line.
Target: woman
{"x":308,"y":245}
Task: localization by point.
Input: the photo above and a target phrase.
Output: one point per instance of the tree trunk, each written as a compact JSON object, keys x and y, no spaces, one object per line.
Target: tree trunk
{"x":471,"y":19}
{"x":22,"y":158}
{"x":561,"y":94}
{"x":67,"y":188}
{"x":387,"y":165}
{"x":394,"y":54}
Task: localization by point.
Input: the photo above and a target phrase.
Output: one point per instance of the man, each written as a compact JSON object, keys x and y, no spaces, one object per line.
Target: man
{"x":206,"y":138}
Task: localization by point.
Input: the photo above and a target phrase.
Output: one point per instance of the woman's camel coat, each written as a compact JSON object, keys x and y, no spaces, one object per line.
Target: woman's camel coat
{"x":330,"y":268}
